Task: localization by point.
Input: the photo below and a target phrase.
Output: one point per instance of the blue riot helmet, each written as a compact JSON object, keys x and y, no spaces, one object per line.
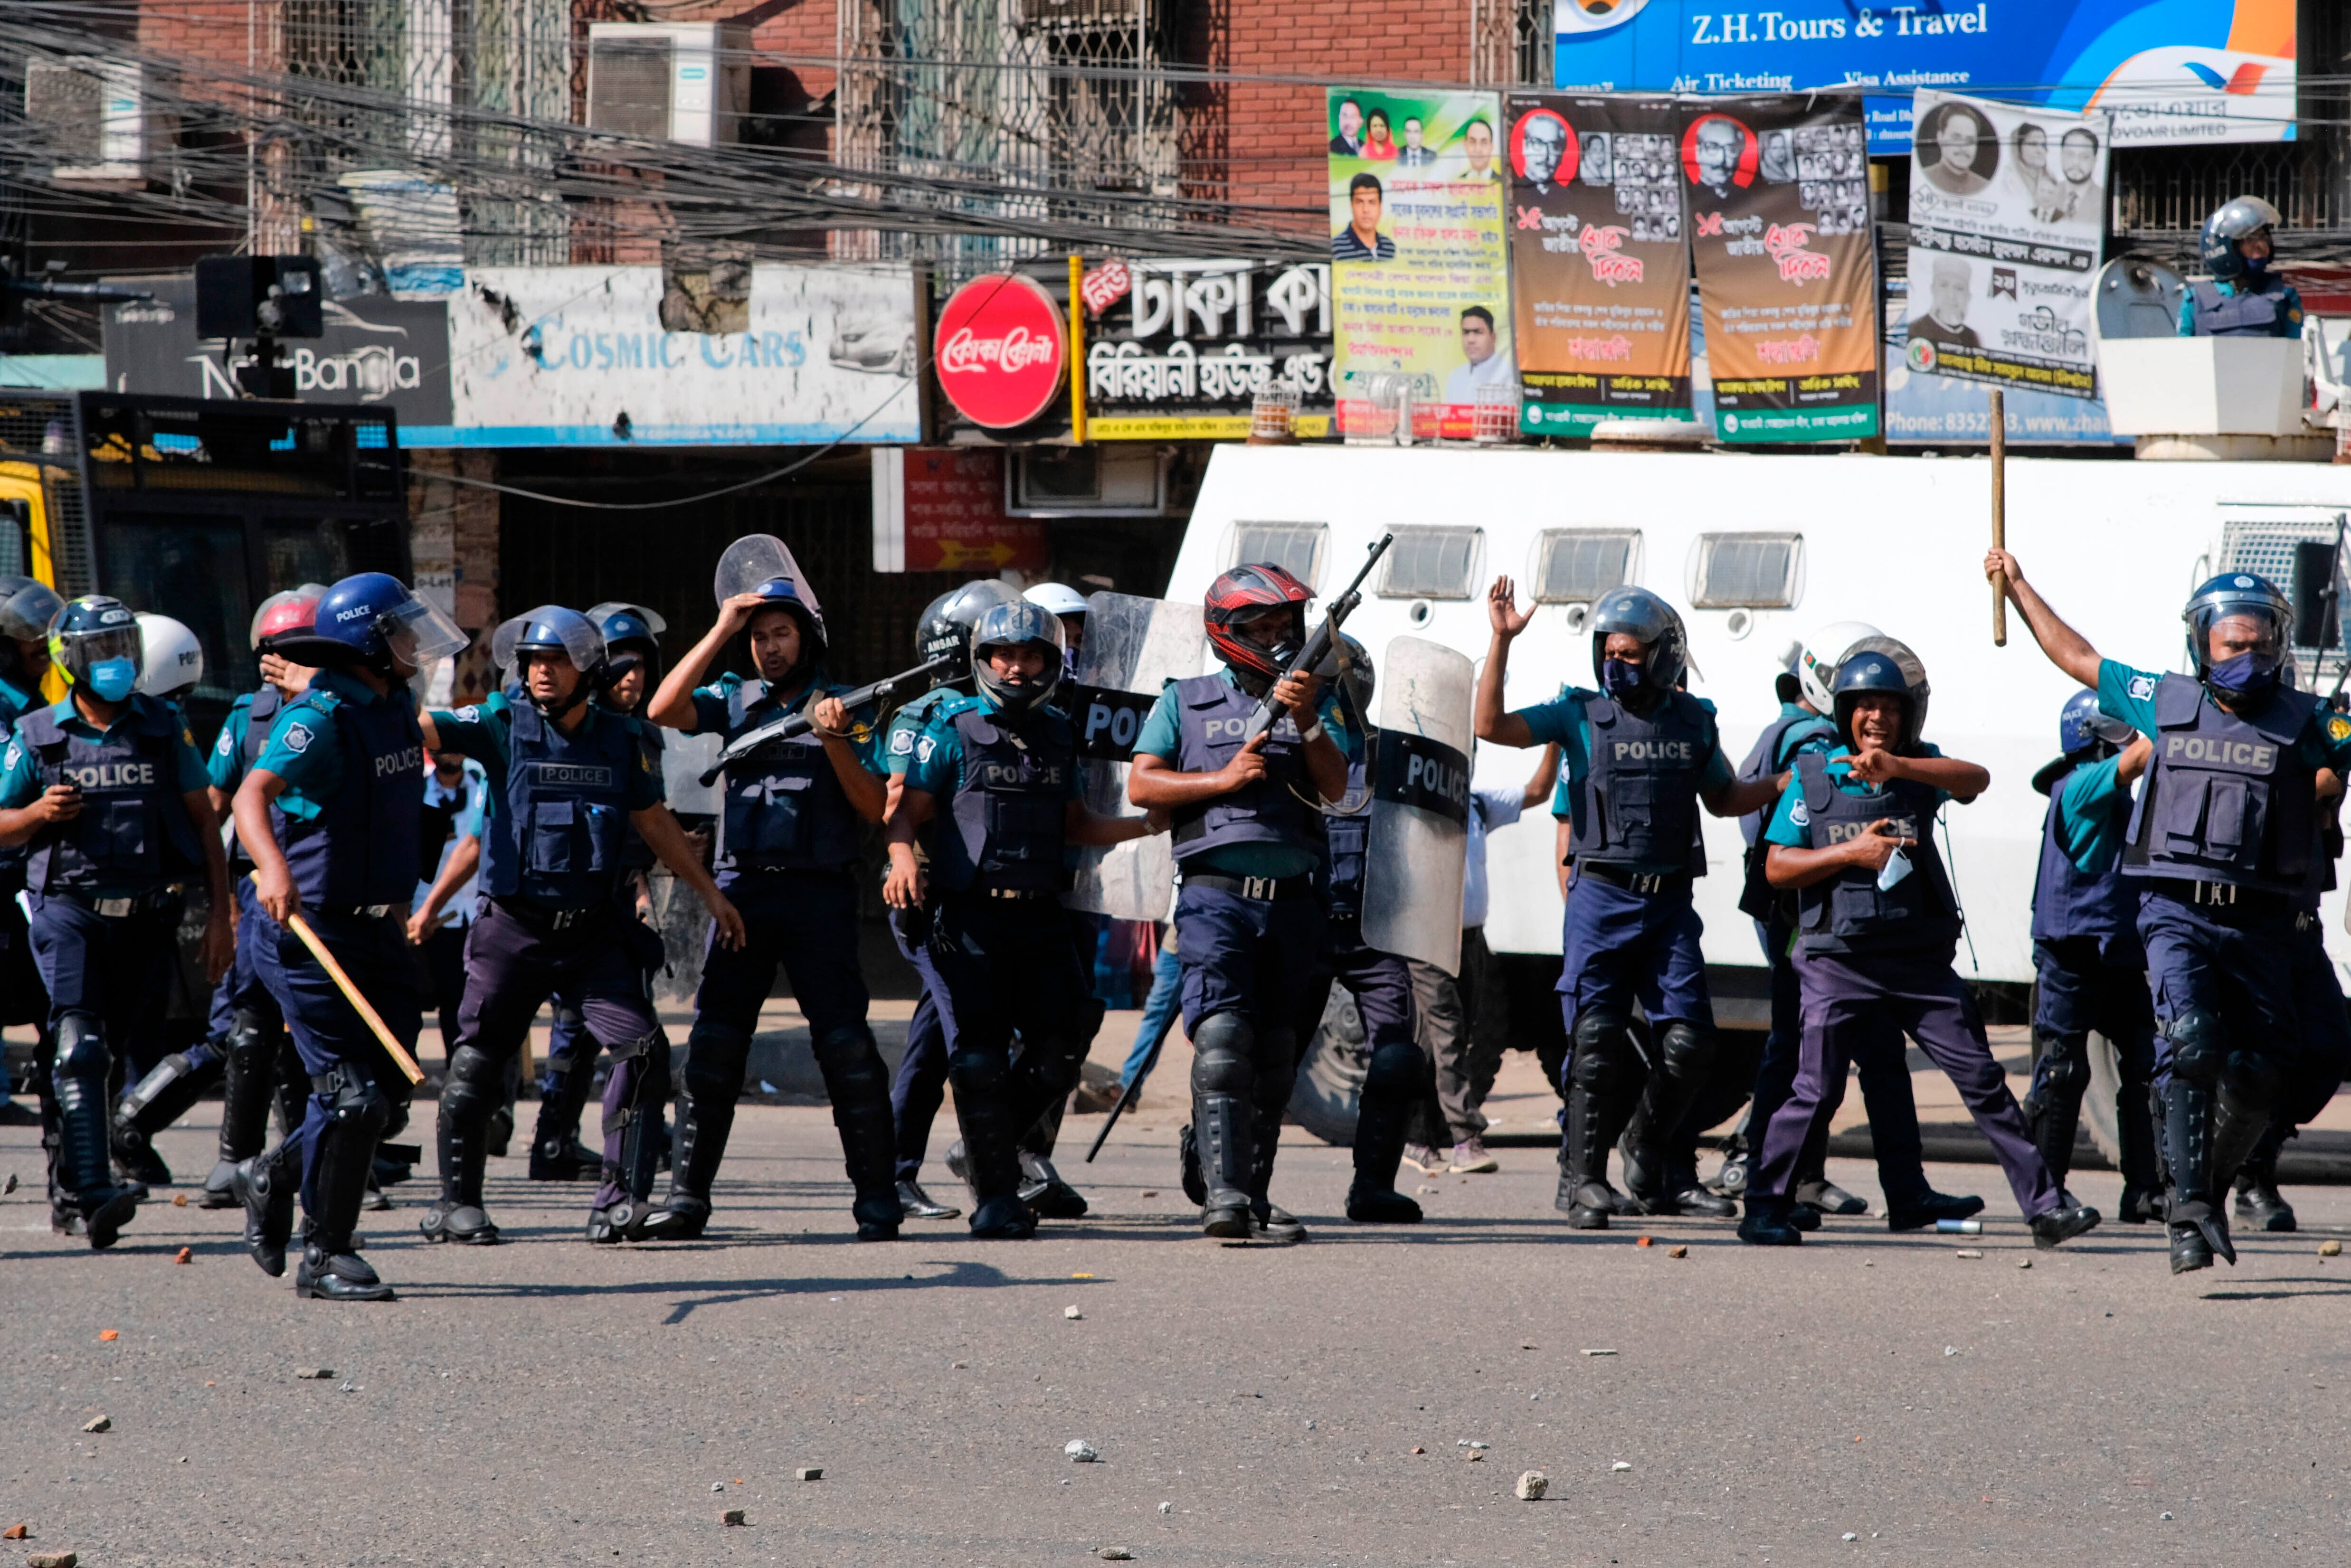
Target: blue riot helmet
{"x":551,"y":632}
{"x":631,"y":632}
{"x":1645,"y":616}
{"x":2238,"y":595}
{"x":1882,"y":664}
{"x":763,"y":564}
{"x":1355,"y":671}
{"x":95,"y":641}
{"x":2238,"y":220}
{"x":2081,"y":727}
{"x":373,"y":621}
{"x":1014,"y":624}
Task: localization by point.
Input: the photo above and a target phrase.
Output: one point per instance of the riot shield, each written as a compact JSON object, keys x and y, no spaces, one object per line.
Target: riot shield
{"x":1133,"y":646}
{"x":1414,"y":867}
{"x":752,"y":560}
{"x":684,"y":759}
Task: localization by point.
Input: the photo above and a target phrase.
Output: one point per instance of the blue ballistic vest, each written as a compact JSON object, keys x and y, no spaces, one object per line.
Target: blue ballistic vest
{"x":785,"y":809}
{"x":2237,"y":315}
{"x":1757,"y":897}
{"x":362,"y":847}
{"x":1349,"y":837}
{"x":1011,"y":807}
{"x":2228,"y":798}
{"x":1638,"y":805}
{"x":133,"y":830}
{"x":1213,"y":719}
{"x":260,"y":716}
{"x":2070,"y":901}
{"x":1849,"y":913}
{"x":557,"y":840}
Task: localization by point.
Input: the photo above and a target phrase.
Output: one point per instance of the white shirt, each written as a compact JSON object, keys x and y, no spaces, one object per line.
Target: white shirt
{"x":1494,"y":369}
{"x":474,"y":792}
{"x":1488,"y":809}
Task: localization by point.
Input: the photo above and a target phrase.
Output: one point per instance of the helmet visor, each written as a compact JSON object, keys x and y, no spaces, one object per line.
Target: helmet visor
{"x":2226,"y":628}
{"x":27,"y":608}
{"x":578,"y":639}
{"x":80,"y":651}
{"x":420,"y":635}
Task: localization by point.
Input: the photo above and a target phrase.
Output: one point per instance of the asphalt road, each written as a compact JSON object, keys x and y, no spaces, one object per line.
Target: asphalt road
{"x":544,"y":1402}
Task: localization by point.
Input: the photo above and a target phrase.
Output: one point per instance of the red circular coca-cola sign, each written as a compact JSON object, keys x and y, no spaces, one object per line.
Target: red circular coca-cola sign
{"x":1001,"y":351}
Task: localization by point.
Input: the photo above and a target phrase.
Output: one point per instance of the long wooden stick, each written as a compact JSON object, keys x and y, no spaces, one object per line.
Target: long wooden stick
{"x":401,"y":1059}
{"x":1999,"y":517}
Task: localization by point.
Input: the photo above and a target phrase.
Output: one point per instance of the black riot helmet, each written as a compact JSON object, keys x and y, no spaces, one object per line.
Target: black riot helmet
{"x":1356,"y":672}
{"x":947,"y":622}
{"x":27,"y":608}
{"x":1645,"y":616}
{"x":2236,"y":221}
{"x":632,"y":639}
{"x":1013,"y":625}
{"x":1881,"y":665}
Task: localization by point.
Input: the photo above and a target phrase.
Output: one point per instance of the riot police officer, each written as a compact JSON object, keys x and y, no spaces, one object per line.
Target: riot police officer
{"x":329,"y":812}
{"x":1250,"y":856}
{"x":787,"y":841}
{"x":1877,"y":924}
{"x":1397,"y":1079}
{"x":2244,"y":298}
{"x":631,"y":636}
{"x":2085,"y":951}
{"x":2226,"y":845}
{"x":107,"y":790}
{"x":1000,"y":777}
{"x":1642,"y":756}
{"x":565,"y":776}
{"x":27,"y":608}
{"x":919,"y":1086}
{"x":1804,"y":726}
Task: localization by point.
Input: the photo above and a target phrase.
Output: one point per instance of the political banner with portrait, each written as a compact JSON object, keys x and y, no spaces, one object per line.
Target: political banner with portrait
{"x":1787,"y":275}
{"x":1599,"y":260}
{"x":2007,"y":227}
{"x":1419,"y":278}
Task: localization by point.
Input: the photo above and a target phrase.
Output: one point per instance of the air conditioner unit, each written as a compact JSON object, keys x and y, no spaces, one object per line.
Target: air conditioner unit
{"x":94,"y":118}
{"x":1081,"y":15}
{"x":678,"y":81}
{"x":1112,"y":480}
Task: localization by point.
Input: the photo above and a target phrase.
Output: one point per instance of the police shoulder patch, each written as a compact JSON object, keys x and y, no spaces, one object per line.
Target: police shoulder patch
{"x":297,"y":737}
{"x":225,"y":743}
{"x":2338,"y":729}
{"x":1799,"y":813}
{"x":469,"y":714}
{"x":2141,"y":688}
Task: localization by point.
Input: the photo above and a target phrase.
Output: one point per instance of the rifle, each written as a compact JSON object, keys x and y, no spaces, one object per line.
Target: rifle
{"x":788,"y":725}
{"x":1318,"y":645}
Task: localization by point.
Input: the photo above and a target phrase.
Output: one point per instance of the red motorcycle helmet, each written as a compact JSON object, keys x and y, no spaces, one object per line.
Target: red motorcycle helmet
{"x":1244,"y":594}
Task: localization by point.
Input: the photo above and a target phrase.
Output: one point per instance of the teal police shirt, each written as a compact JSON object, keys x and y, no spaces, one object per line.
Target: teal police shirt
{"x":1791,"y":825}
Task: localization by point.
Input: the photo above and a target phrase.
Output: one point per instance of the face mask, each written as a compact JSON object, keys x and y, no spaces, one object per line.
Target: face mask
{"x":2239,"y":676}
{"x":113,"y":679}
{"x":2257,"y":267}
{"x":1619,"y":678}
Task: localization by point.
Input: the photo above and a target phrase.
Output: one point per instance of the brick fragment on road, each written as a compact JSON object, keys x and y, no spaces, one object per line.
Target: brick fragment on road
{"x":1531,"y":1486}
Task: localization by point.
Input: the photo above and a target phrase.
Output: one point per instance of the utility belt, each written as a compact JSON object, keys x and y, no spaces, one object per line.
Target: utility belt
{"x":2223,"y":901}
{"x":1258,"y":889}
{"x":172,"y":897}
{"x":555,"y":922}
{"x":1648,"y":885}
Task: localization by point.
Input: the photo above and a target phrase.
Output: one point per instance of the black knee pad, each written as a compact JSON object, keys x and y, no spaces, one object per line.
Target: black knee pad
{"x":248,"y":1036}
{"x":853,"y":1063}
{"x":1220,"y":1055}
{"x":355,"y":1101}
{"x":715,"y":1057}
{"x":975,"y":1072}
{"x":2198,"y":1048}
{"x":473,"y":1088}
{"x":2252,"y":1083}
{"x":1396,"y":1068}
{"x":1605,"y":1055}
{"x":80,"y":1047}
{"x":2065,"y":1063}
{"x":1685,"y":1051}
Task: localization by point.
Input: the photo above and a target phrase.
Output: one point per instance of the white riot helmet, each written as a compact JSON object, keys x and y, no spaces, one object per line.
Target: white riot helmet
{"x":1057,"y":597}
{"x":171,"y":660}
{"x":1817,"y":658}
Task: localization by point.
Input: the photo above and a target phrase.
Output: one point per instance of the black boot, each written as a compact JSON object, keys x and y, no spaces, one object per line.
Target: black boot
{"x":1920,"y":1213}
{"x":154,"y":1102}
{"x":83,"y":1176}
{"x":265,"y":1188}
{"x":1583,"y":1191}
{"x":331,"y":1268}
{"x":918,"y":1204}
{"x":2258,"y":1199}
{"x":858,"y":1084}
{"x":2053,"y":1107}
{"x":1392,"y":1090}
{"x":462,"y":1129}
{"x":2142,"y":1198}
{"x":1044,"y":1191}
{"x":1187,"y":1167}
{"x":556,"y":1151}
{"x":1681,"y":1054}
{"x":2057,"y":1225}
{"x":1767,"y":1223}
{"x":697,"y":1147}
{"x":248,"y":1059}
{"x":2189,"y":1202}
{"x":1225,"y":1126}
{"x":1828,"y":1198}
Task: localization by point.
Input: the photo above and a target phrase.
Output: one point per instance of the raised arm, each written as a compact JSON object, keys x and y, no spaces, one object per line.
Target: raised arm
{"x":1507,"y":619}
{"x":2067,"y":649}
{"x":673,"y":704}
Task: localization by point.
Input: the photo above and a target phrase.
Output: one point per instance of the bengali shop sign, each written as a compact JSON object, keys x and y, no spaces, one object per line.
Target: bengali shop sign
{"x":1419,"y":277}
{"x":1179,"y":349}
{"x":1599,"y":260}
{"x":1779,"y":219}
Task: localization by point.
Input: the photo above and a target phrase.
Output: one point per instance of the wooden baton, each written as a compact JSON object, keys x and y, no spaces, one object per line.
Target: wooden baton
{"x":401,"y":1059}
{"x":1999,"y":517}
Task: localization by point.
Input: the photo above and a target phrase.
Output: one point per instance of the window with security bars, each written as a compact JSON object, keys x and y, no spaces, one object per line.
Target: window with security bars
{"x":1576,"y":566}
{"x":1431,"y":563}
{"x":1296,"y":547}
{"x":2278,"y":549}
{"x":1747,"y":570}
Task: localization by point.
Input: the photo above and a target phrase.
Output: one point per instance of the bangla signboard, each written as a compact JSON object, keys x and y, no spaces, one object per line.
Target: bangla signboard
{"x":1179,"y":349}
